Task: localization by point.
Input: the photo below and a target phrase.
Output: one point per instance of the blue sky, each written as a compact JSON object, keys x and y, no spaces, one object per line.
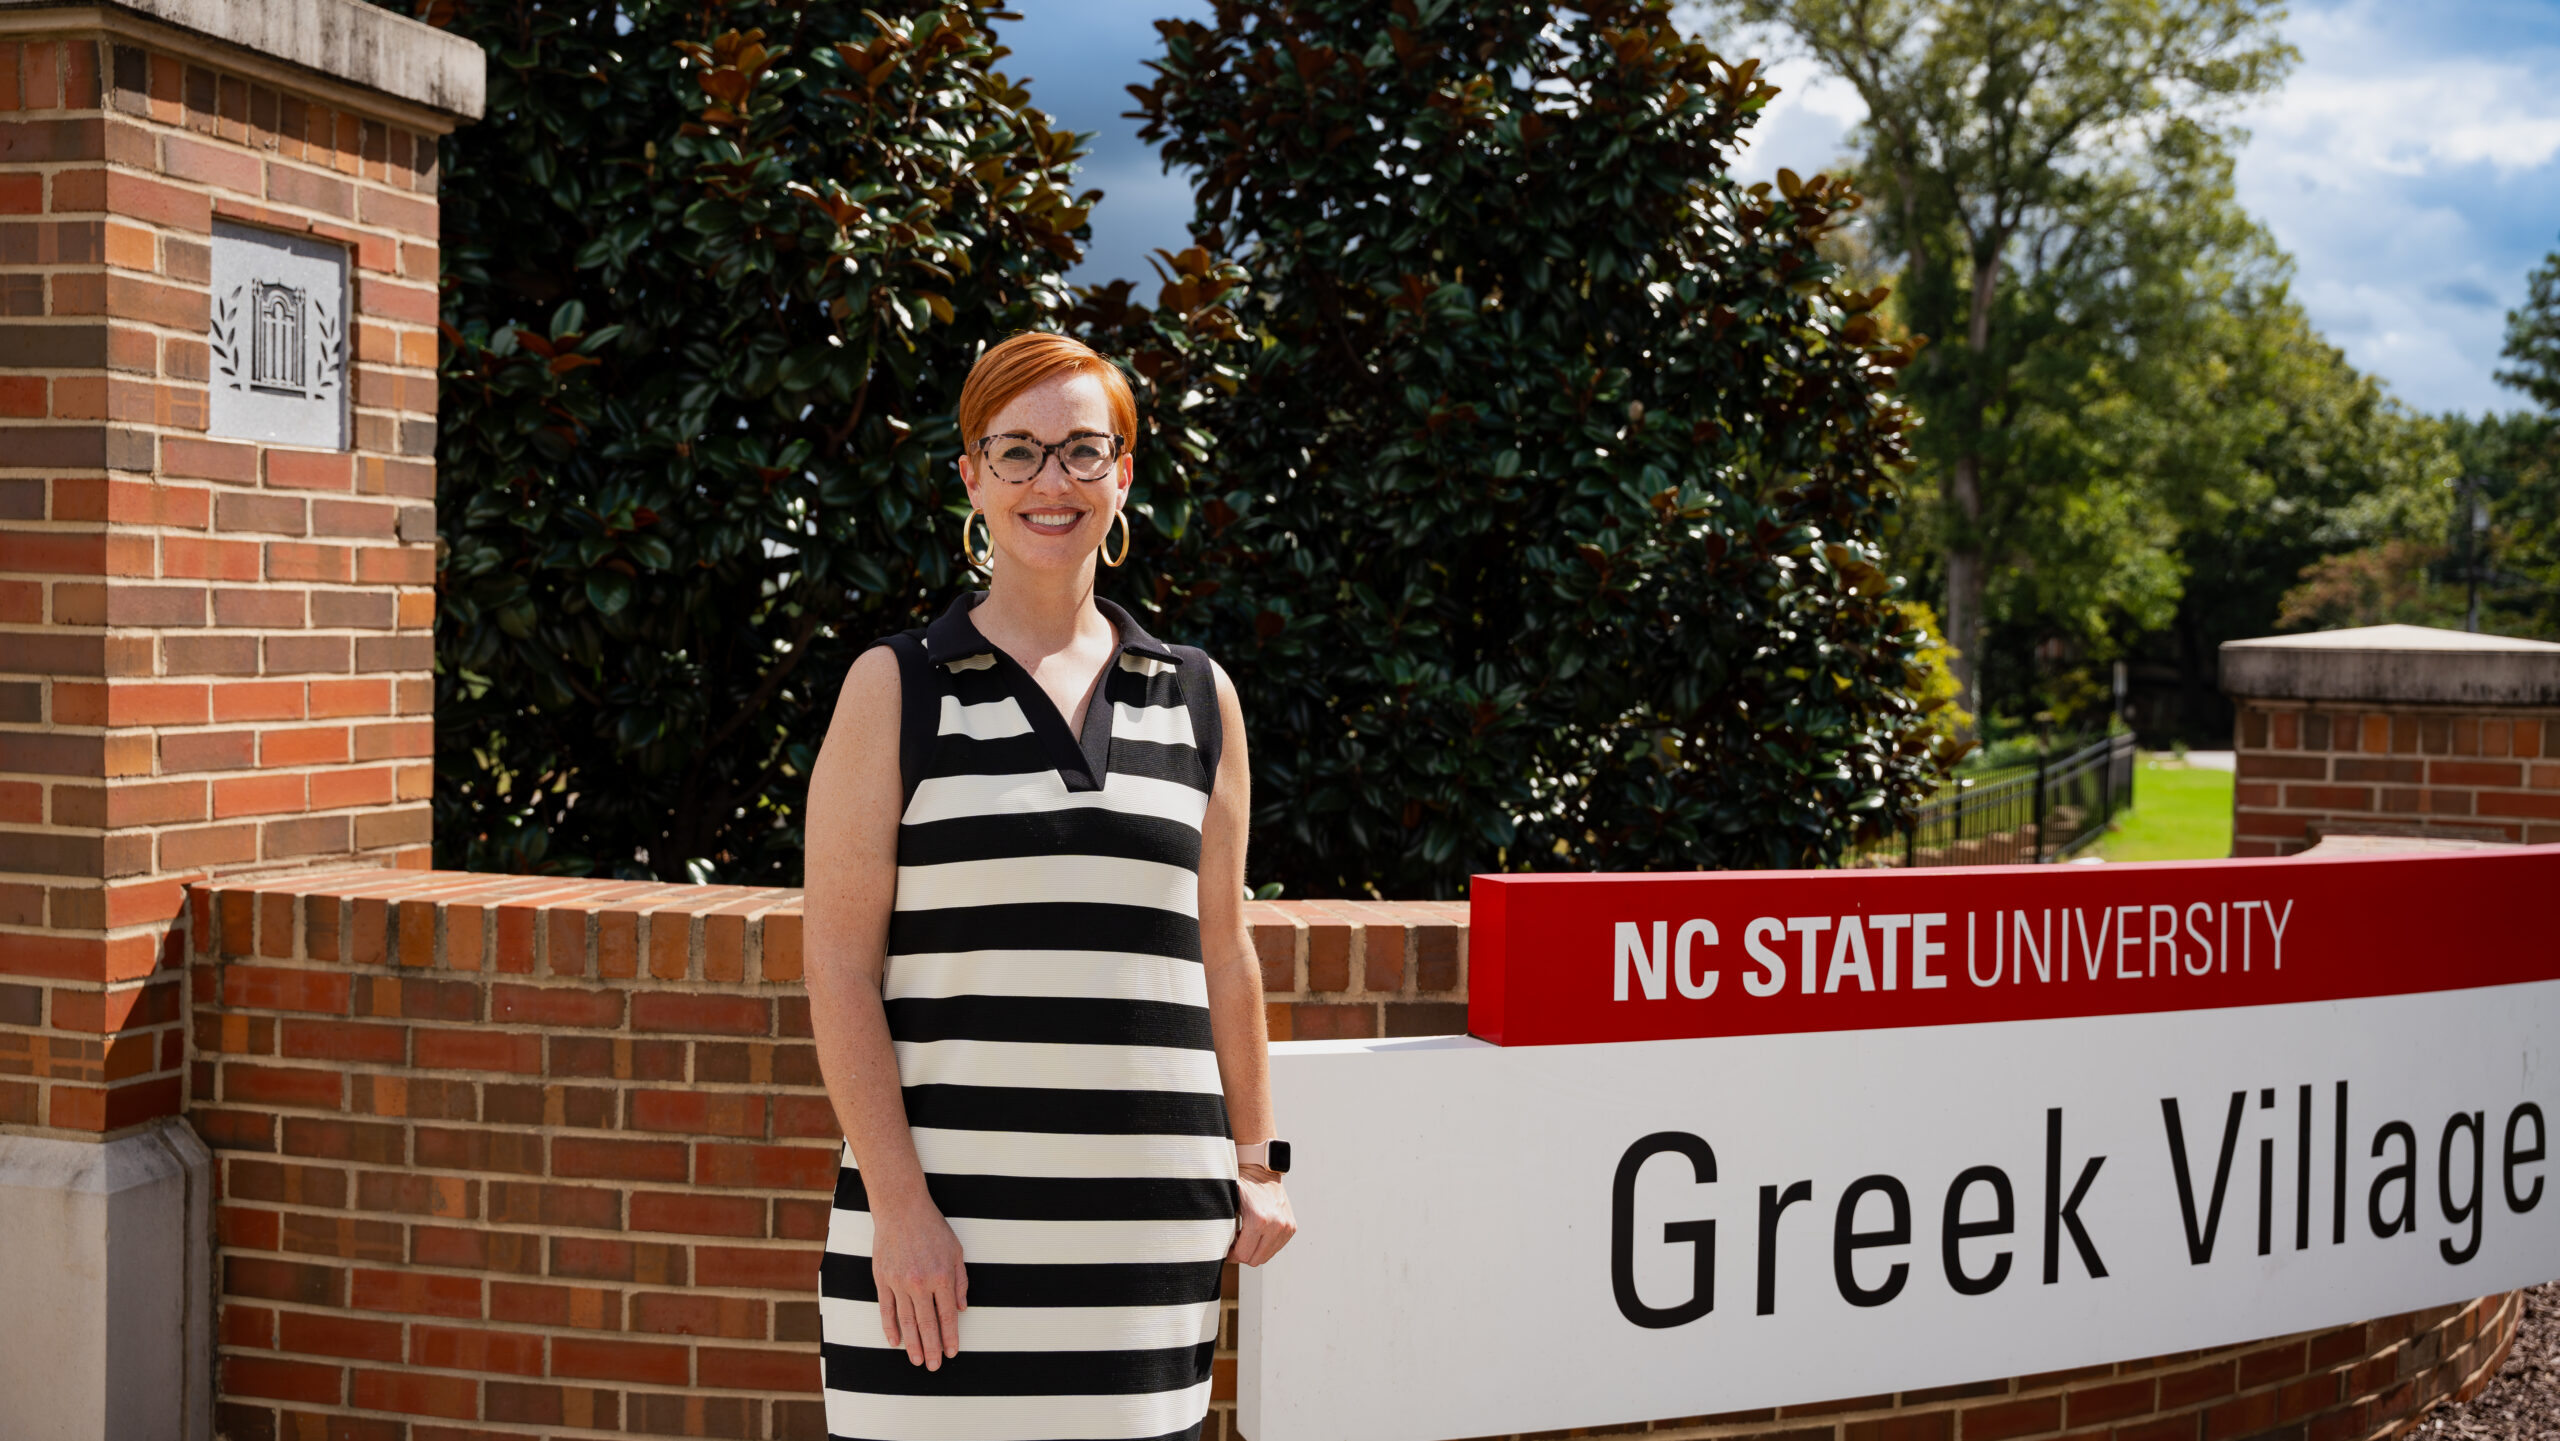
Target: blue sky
{"x":2411,"y":165}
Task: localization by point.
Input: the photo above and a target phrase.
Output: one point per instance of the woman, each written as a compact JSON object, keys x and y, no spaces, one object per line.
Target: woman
{"x":1034,"y":999}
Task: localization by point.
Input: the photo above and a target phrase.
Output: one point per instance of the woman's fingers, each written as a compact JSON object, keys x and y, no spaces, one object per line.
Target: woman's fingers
{"x":929,"y":1327}
{"x":910,"y":1333}
{"x":946,"y":1303}
{"x":888,"y":1313}
{"x":1266,"y":1222}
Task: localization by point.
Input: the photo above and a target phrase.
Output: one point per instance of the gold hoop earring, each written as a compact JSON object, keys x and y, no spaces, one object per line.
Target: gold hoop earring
{"x":1122,"y":518}
{"x":986,"y":563}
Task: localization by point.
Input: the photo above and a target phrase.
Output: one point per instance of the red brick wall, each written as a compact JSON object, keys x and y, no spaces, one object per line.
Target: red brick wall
{"x":510,"y":1157}
{"x":2308,"y":768}
{"x":501,"y":1155}
{"x":214,"y":655}
{"x":2363,"y":1382}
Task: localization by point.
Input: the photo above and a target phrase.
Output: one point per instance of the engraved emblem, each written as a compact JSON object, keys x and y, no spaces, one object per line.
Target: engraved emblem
{"x":277,"y":336}
{"x":275,"y":347}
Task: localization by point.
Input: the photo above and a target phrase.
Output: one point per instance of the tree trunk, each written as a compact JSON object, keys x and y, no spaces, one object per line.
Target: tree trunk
{"x":1964,"y":583}
{"x":1964,"y":489}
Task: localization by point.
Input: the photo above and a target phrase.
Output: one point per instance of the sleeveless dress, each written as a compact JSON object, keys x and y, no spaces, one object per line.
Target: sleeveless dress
{"x":1050,"y":1011}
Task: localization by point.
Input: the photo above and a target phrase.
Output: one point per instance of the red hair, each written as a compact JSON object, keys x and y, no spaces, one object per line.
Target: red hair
{"x":1034,"y":358}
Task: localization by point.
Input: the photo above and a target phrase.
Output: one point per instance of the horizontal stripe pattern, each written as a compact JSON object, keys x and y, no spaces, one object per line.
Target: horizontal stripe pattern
{"x":1100,"y":975}
{"x":1002,"y":1151}
{"x":1057,"y":879}
{"x":866,"y":1416}
{"x":1002,"y":925}
{"x":1037,"y":1328}
{"x":991,"y":721}
{"x":1066,"y":1020}
{"x":1049,"y":1013}
{"x":1178,"y":1283}
{"x":1057,"y":1198}
{"x":1003,"y":1241}
{"x":1099,"y":1372}
{"x":1086,"y":831}
{"x":1064,"y":1113}
{"x":948,"y":797}
{"x":1164,"y":725}
{"x":1054,"y":1067}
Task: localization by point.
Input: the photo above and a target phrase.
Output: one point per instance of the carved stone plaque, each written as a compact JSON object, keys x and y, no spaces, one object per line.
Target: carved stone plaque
{"x":279,"y":338}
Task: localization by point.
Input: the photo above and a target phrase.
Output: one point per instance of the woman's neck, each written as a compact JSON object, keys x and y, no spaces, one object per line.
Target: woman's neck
{"x":1034,"y":613}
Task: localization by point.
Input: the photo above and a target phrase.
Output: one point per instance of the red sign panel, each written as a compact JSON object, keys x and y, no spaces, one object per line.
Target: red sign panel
{"x":1556,"y":959}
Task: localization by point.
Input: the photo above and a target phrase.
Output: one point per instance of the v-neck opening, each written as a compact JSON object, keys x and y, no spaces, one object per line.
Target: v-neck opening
{"x":1082,"y":757}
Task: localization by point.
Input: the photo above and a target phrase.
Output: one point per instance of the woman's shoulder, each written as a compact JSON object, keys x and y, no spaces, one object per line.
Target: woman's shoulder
{"x":871,"y":683}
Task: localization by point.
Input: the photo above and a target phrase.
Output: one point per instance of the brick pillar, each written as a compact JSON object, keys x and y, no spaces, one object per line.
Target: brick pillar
{"x":217,"y":423}
{"x":2393,"y":730}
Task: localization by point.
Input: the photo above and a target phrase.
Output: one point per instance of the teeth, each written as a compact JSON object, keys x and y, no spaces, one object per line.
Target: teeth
{"x":1050,"y":517}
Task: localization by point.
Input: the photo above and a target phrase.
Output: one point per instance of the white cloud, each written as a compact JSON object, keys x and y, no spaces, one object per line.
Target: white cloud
{"x":1806,"y":128}
{"x":2412,"y":167}
{"x":2413,"y":122}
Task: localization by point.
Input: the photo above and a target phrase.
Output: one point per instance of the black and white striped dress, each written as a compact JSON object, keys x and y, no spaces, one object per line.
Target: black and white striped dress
{"x":1046,"y":996}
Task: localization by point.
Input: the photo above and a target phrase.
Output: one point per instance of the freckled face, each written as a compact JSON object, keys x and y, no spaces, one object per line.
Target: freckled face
{"x":1052,"y":521}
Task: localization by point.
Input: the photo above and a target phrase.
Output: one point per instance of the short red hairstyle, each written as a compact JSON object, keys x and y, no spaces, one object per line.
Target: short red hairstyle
{"x":1033,"y":358}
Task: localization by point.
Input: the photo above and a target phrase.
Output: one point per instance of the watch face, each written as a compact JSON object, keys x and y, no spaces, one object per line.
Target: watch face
{"x":1280,"y":1157}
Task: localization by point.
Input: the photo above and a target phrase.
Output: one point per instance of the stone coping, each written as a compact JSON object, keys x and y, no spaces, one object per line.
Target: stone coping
{"x":2407,"y":663}
{"x":347,"y":40}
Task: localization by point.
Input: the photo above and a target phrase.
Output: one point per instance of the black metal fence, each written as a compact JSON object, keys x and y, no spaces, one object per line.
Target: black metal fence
{"x":2048,"y":814}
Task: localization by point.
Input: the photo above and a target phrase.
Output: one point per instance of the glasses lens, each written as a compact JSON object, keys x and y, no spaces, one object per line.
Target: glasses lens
{"x":1014,"y":460}
{"x":1088,"y":457}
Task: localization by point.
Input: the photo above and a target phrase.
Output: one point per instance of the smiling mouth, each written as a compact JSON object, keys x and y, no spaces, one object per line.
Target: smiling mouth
{"x":1050,"y":522}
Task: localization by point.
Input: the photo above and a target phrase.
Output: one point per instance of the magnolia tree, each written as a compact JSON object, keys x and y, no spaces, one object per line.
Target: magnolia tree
{"x":715,"y":275}
{"x":1531,"y":487}
{"x":1544,"y":529}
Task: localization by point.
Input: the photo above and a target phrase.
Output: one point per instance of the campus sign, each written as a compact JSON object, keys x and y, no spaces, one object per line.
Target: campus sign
{"x":1723,"y":1142}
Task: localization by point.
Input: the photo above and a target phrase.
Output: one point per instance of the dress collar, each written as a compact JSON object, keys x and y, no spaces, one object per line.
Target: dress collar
{"x":956,"y":637}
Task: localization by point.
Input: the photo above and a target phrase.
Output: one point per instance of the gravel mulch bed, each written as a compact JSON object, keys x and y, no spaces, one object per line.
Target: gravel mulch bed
{"x":2523,"y":1402}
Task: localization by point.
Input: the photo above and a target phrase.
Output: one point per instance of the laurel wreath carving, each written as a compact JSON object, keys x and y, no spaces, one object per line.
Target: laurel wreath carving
{"x":223,"y":339}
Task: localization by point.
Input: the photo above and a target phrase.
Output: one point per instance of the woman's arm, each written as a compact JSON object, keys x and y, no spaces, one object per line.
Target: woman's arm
{"x":1235,"y":990}
{"x":855,"y":796}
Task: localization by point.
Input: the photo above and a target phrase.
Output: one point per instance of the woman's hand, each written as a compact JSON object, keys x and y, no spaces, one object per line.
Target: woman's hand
{"x":916,"y":1264}
{"x":1264,"y":1221}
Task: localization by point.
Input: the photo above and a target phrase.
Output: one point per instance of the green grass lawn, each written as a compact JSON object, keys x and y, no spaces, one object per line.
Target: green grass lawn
{"x":2180,"y":813}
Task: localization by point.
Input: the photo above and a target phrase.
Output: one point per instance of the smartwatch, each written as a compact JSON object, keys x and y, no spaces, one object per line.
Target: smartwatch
{"x":1273,"y":1154}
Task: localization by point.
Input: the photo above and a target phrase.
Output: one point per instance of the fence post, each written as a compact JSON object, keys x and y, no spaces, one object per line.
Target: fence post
{"x":2107,"y":789}
{"x":2127,"y":748}
{"x":1911,"y":843}
{"x":2038,"y":807}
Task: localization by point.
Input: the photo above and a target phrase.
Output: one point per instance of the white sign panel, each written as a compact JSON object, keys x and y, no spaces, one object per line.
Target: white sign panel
{"x":278,"y":332}
{"x":1516,"y":1239}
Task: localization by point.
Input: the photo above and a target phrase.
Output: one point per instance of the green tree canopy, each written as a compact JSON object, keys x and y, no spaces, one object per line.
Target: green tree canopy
{"x":2533,"y":337}
{"x":1545,"y":530}
{"x":2517,"y":461}
{"x":2053,"y":178}
{"x":1533,"y":491}
{"x":710,"y":294}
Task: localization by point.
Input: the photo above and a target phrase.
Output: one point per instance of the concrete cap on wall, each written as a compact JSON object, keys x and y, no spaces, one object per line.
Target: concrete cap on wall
{"x":2414,"y":663}
{"x":347,"y":40}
